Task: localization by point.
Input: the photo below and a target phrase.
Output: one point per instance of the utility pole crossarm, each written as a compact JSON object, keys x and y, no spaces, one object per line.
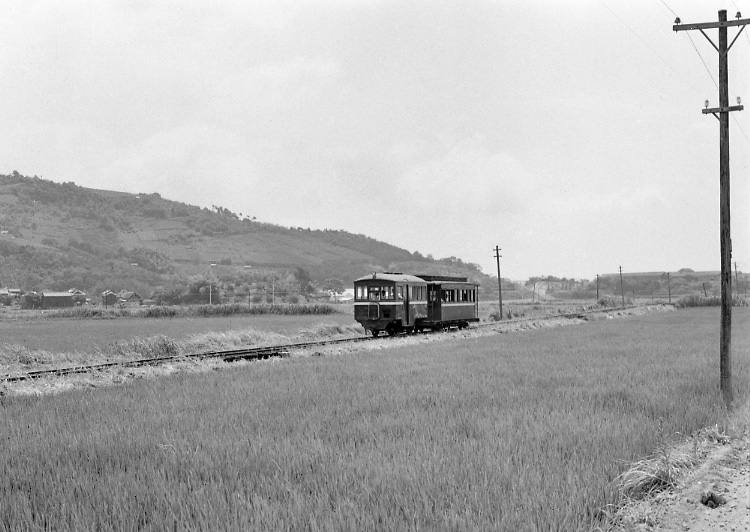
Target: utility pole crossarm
{"x":721,"y":24}
{"x":714,"y":110}
{"x":709,"y":25}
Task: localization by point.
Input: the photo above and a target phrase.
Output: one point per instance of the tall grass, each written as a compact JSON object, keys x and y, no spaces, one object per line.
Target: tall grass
{"x":713,"y":301}
{"x":520,"y":432}
{"x":15,"y":358}
{"x":224,"y":309}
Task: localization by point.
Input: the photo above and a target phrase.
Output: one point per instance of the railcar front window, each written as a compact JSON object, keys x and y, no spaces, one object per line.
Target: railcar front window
{"x":361,"y":293}
{"x":382,"y":293}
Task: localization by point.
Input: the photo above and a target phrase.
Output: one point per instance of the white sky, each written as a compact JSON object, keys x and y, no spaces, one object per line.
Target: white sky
{"x":569,"y":133}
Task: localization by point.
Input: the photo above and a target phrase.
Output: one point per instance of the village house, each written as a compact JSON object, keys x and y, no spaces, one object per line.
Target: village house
{"x":129,"y":298}
{"x":57,"y":300}
{"x":109,"y":298}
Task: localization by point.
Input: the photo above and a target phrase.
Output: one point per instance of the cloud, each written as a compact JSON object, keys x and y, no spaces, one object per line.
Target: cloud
{"x":197,"y":164}
{"x":274,"y":92}
{"x":493,"y":181}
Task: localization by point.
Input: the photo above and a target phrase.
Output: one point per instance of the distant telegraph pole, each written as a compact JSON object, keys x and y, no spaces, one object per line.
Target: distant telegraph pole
{"x":736,"y":278}
{"x":622,"y":289}
{"x":725,"y":337}
{"x":669,"y":289}
{"x":499,"y":281}
{"x":597,"y":287}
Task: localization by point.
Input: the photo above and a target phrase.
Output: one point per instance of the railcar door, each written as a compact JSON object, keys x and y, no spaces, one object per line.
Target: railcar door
{"x":405,"y":291}
{"x":433,"y":302}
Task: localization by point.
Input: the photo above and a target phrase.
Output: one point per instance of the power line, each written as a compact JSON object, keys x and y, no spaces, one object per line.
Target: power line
{"x":733,"y":117}
{"x":702,"y":61}
{"x":652,"y":50}
{"x":736,"y":123}
{"x":665,"y":5}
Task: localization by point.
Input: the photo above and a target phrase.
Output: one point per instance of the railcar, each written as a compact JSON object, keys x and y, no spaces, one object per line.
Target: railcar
{"x":451,"y":302}
{"x":396,"y":302}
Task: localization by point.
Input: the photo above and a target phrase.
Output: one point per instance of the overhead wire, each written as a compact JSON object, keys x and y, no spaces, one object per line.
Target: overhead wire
{"x":665,"y":5}
{"x":695,"y":47}
{"x":647,"y":45}
{"x":687,"y":34}
{"x":736,"y":121}
{"x":708,"y":70}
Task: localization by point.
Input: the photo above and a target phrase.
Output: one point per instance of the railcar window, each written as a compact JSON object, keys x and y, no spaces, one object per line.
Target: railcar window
{"x":382,"y":292}
{"x":361,"y":292}
{"x":449,"y":296}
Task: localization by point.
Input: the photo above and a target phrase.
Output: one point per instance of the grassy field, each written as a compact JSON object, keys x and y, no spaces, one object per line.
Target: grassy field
{"x":522,"y":431}
{"x":69,"y":335}
{"x":34,"y":330}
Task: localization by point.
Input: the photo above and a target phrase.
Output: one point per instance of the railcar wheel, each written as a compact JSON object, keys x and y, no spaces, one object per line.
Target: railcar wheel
{"x":375,"y":333}
{"x":391,"y":330}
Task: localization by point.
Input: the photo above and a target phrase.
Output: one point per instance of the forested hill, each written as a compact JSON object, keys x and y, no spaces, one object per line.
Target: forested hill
{"x":61,"y":236}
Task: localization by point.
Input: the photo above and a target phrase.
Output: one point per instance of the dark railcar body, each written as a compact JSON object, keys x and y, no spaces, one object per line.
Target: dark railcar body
{"x":396,"y":302}
{"x":389,"y":302}
{"x":451,"y":302}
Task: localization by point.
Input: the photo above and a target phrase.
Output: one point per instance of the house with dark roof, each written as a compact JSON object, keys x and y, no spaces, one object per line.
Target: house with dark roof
{"x":129,"y":298}
{"x":109,"y":298}
{"x":57,"y":300}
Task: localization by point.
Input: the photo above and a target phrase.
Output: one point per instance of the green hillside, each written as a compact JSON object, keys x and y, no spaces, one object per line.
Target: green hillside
{"x":60,"y":236}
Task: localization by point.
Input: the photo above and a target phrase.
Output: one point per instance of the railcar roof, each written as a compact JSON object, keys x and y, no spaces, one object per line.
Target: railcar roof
{"x":392,"y":277}
{"x":452,"y":283}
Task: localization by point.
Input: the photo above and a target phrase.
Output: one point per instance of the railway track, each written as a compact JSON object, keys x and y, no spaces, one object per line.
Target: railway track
{"x":260,"y":353}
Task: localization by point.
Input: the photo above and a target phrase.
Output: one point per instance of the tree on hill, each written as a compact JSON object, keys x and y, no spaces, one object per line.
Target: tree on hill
{"x":335,"y":286}
{"x":304,"y":280}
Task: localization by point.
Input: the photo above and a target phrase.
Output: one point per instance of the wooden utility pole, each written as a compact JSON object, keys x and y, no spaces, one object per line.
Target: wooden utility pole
{"x":597,"y":287}
{"x":736,"y":278}
{"x":669,"y":289}
{"x":725,"y":336}
{"x":499,"y":281}
{"x":622,"y":289}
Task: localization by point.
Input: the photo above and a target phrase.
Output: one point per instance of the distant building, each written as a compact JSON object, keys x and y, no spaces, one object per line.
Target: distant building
{"x":346,"y":296}
{"x":57,"y":300}
{"x":129,"y":298}
{"x":109,"y":298}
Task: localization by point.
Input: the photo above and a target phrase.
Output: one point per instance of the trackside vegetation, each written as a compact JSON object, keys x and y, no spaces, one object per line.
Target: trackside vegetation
{"x":203,"y":311}
{"x":525,"y":431}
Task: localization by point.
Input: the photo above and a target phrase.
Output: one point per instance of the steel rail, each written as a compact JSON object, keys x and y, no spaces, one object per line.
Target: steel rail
{"x":259,"y":353}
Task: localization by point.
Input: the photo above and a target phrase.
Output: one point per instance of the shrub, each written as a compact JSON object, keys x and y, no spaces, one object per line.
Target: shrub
{"x":713,"y":301}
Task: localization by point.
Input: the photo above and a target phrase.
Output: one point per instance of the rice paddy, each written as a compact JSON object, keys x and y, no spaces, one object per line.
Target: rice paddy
{"x":521,"y":431}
